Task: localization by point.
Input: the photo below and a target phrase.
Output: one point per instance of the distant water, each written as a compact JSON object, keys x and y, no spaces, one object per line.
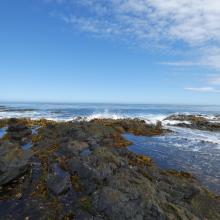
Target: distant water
{"x":185,"y":149}
{"x":71,"y":111}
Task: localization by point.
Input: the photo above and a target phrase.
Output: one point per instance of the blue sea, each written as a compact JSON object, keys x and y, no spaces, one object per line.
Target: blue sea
{"x":62,"y":111}
{"x":184,"y":149}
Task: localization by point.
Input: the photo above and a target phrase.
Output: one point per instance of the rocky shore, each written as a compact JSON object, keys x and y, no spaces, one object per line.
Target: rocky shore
{"x":196,"y":122}
{"x":83,"y":170}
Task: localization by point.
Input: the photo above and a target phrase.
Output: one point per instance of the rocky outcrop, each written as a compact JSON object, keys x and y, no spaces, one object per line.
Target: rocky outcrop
{"x":107,"y":183}
{"x":195,"y":122}
{"x":58,"y":181}
{"x":13,"y":161}
{"x":17,"y":131}
{"x":134,"y":126}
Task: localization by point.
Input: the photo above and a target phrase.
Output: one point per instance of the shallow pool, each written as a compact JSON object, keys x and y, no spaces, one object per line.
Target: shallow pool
{"x":3,"y":131}
{"x":189,"y":150}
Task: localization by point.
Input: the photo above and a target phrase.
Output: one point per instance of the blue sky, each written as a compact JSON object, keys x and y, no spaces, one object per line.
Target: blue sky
{"x":139,"y":51}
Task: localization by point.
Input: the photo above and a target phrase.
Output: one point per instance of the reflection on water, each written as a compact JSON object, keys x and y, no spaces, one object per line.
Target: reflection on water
{"x":3,"y":131}
{"x":189,"y":150}
{"x":35,"y":129}
{"x":86,"y":152}
{"x":27,"y":146}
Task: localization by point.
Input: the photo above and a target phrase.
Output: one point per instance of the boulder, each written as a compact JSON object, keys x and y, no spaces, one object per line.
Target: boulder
{"x":17,"y":130}
{"x":13,"y":161}
{"x":116,"y":205}
{"x":58,"y":181}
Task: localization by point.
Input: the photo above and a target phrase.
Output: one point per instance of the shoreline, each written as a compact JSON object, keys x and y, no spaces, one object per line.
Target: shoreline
{"x":85,"y":167}
{"x":58,"y":111}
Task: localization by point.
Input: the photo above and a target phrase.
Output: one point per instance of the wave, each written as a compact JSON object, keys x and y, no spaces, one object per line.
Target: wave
{"x":63,"y":112}
{"x":68,"y":115}
{"x":195,"y":137}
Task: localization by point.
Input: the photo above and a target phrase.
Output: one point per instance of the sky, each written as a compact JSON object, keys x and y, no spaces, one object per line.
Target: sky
{"x":114,"y":51}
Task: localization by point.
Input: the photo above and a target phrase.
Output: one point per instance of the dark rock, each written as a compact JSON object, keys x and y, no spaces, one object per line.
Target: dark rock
{"x":17,"y":130}
{"x":152,"y":211}
{"x":134,"y":126}
{"x":79,"y":167}
{"x":77,"y":146}
{"x":82,"y":215}
{"x":195,"y":122}
{"x":73,"y":147}
{"x":86,"y":152}
{"x":86,"y":174}
{"x":13,"y":161}
{"x":58,"y":181}
{"x":108,"y":183}
{"x":116,"y":205}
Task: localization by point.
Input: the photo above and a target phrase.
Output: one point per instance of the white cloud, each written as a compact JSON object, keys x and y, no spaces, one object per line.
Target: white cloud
{"x":203,"y":89}
{"x":153,"y":23}
{"x":193,"y":21}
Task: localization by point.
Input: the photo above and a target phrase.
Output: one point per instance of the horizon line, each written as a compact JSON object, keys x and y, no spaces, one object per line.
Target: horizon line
{"x":102,"y":103}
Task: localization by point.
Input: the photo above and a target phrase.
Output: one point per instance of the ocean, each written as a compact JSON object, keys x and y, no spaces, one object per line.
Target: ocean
{"x":184,"y":149}
{"x":59,"y":111}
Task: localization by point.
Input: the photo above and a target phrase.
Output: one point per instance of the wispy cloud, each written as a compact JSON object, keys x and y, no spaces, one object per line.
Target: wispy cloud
{"x":203,"y":89}
{"x":181,"y":63}
{"x":215,"y":80}
{"x":193,"y":21}
{"x":152,"y":23}
{"x":209,"y":57}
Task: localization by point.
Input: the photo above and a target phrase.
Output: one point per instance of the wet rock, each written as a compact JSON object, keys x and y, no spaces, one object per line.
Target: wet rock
{"x":86,"y":152}
{"x":152,"y":211}
{"x":77,"y":146}
{"x":134,"y":126}
{"x":181,"y":117}
{"x":93,"y":143}
{"x":58,"y":181}
{"x":27,"y":146}
{"x":86,"y":175}
{"x":195,"y":122}
{"x":108,"y":183}
{"x":116,"y":205}
{"x":79,"y":167}
{"x":17,"y":130}
{"x":13,"y":161}
{"x":73,"y":147}
{"x":82,"y":215}
{"x":159,"y":126}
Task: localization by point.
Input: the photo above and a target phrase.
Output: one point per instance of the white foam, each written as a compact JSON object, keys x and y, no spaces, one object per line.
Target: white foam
{"x":196,"y":136}
{"x":175,"y":122}
{"x":153,"y":118}
{"x":34,"y":116}
{"x":105,"y":115}
{"x":108,"y":113}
